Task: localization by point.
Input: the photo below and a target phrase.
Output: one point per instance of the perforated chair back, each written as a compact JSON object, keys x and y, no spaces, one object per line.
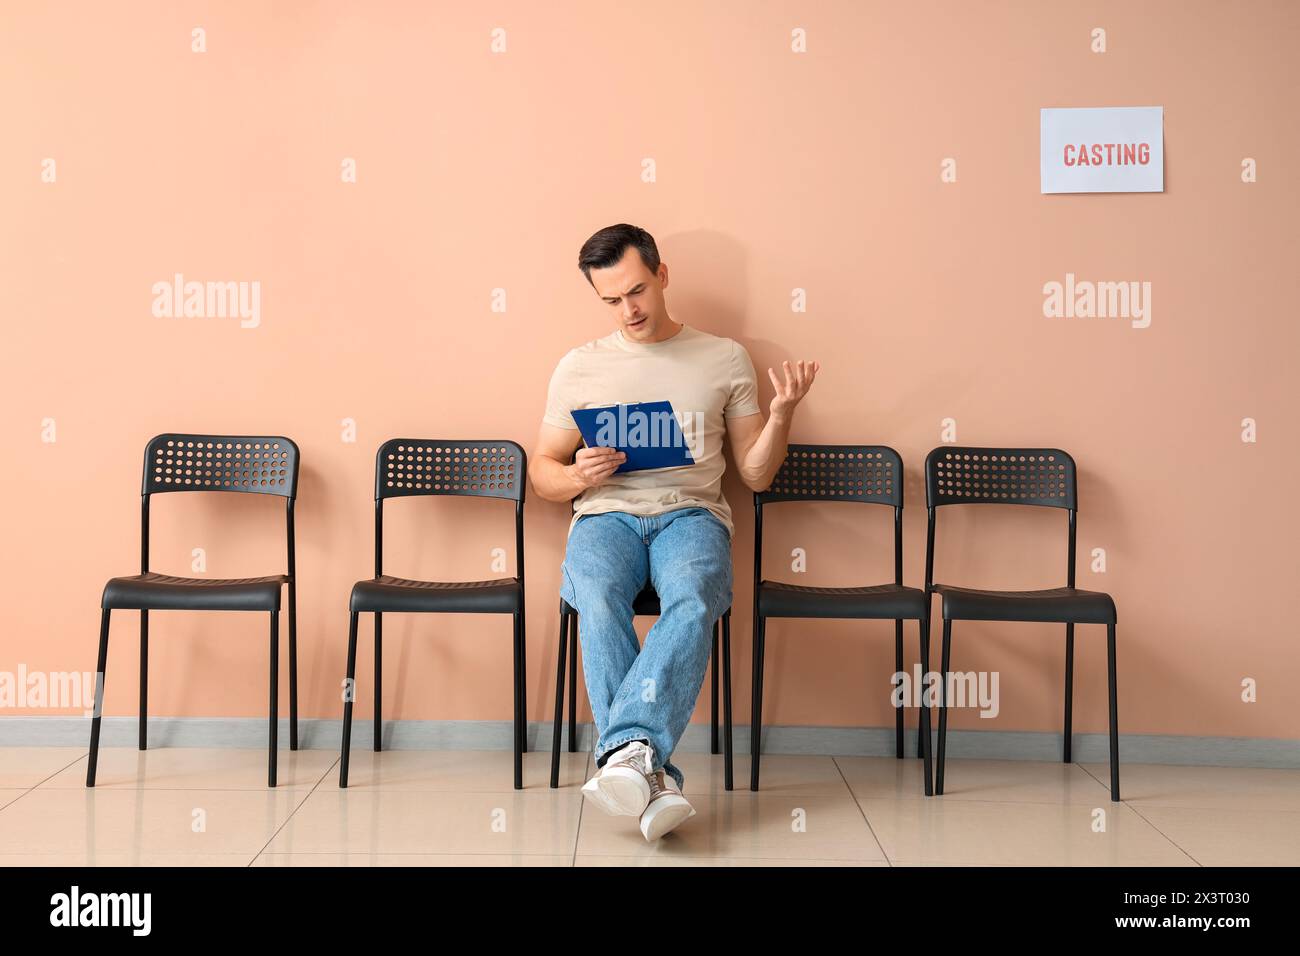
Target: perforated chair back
{"x":1013,"y":476}
{"x":245,"y":463}
{"x":871,"y":473}
{"x":486,"y":469}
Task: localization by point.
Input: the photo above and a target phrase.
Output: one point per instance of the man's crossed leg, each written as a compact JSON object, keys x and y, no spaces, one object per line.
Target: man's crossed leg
{"x":642,"y":698}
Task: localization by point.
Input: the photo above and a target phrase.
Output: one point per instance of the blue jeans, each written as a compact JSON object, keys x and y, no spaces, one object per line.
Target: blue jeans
{"x":646,"y":693}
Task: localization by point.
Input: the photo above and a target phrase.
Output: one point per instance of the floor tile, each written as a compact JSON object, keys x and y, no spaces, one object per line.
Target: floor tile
{"x":999,"y":781}
{"x":780,"y":774}
{"x":537,"y":822}
{"x":742,"y":825}
{"x":678,"y":860}
{"x":1230,"y":837}
{"x":411,"y":859}
{"x":1025,"y":834}
{"x":1210,"y":788}
{"x":187,"y":768}
{"x":456,"y":771}
{"x":93,"y":822}
{"x":27,"y":766}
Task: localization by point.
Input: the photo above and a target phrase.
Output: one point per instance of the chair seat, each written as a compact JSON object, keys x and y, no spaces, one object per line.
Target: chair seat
{"x":877,"y":602}
{"x":387,"y":593}
{"x":163,"y":592}
{"x":645,"y":604}
{"x":1054,"y":605}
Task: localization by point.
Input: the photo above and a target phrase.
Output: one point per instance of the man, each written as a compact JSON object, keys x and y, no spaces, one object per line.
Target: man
{"x":670,"y":526}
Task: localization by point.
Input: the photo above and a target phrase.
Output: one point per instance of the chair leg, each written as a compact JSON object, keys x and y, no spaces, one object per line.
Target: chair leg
{"x":756,"y":719}
{"x":1069,"y":692}
{"x":923,"y":724}
{"x":925,"y":671}
{"x":273,"y":744}
{"x":898,"y":669}
{"x":728,"y":749}
{"x":523,"y":679}
{"x":350,"y":693}
{"x":144,"y":679}
{"x":1114,"y":713}
{"x":293,"y":666}
{"x":558,"y":722}
{"x":573,"y":684}
{"x":943,"y":703}
{"x":519,"y":702}
{"x":379,"y":681}
{"x":98,"y":714}
{"x":713,"y":696}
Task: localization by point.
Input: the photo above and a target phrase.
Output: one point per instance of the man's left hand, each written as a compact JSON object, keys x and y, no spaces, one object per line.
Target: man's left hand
{"x":798,"y":379}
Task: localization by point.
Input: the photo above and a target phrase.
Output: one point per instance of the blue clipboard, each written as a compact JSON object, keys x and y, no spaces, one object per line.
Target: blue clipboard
{"x":647,"y":432}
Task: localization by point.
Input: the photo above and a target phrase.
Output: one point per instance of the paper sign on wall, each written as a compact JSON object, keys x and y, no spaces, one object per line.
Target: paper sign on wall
{"x":1111,"y":150}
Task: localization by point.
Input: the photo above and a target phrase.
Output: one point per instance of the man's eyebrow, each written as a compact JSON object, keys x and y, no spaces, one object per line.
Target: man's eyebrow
{"x":635,"y":288}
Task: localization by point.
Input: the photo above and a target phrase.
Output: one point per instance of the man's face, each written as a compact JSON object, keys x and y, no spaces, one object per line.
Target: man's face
{"x":635,"y":295}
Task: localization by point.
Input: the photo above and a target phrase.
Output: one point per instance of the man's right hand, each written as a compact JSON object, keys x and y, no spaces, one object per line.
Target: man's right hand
{"x":592,"y":466}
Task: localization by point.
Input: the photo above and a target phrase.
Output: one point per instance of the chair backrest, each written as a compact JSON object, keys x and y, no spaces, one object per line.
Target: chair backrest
{"x":1013,"y":476}
{"x":857,"y":473}
{"x":871,"y":473}
{"x":252,"y":464}
{"x":414,"y":466}
{"x":249,"y":464}
{"x":956,"y":475}
{"x":406,"y":467}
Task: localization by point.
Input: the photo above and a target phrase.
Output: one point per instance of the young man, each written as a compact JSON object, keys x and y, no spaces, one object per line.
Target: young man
{"x":669,"y":526}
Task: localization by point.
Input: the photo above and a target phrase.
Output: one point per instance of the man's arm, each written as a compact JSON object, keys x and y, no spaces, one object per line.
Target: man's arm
{"x":554,"y":478}
{"x":759,"y":448}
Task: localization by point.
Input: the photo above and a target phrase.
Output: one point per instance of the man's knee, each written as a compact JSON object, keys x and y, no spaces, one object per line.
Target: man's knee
{"x":603,"y":569}
{"x":699,"y":582}
{"x":703,"y":595}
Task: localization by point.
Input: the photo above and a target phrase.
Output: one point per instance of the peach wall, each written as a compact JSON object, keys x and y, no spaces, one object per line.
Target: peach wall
{"x":775,"y":171}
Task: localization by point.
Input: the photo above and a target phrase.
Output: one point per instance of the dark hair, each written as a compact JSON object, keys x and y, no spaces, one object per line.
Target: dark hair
{"x":606,"y":248}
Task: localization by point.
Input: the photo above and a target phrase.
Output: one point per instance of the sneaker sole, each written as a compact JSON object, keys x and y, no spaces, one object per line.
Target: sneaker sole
{"x":620,"y":792}
{"x":663,"y":820}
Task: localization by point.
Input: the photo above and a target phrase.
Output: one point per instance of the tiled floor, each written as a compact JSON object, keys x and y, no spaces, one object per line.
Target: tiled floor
{"x":212,"y":808}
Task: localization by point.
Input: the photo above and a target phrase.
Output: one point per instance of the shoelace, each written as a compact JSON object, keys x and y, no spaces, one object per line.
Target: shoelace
{"x":657,"y":787}
{"x":647,"y":756}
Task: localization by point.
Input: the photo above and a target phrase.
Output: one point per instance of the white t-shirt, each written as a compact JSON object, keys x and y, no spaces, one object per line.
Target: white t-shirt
{"x":707,"y":378}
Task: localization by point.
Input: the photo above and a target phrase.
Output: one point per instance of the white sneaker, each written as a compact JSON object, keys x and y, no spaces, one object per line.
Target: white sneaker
{"x":666,"y":809}
{"x":622,"y":786}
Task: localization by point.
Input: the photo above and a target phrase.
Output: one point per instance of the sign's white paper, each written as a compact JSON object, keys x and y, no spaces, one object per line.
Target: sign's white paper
{"x":1109,"y":150}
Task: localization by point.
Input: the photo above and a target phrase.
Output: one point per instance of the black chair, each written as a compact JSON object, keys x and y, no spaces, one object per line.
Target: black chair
{"x":405,"y":467}
{"x":1016,"y":476}
{"x":644,"y":604}
{"x":173,"y":462}
{"x":865,"y":473}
